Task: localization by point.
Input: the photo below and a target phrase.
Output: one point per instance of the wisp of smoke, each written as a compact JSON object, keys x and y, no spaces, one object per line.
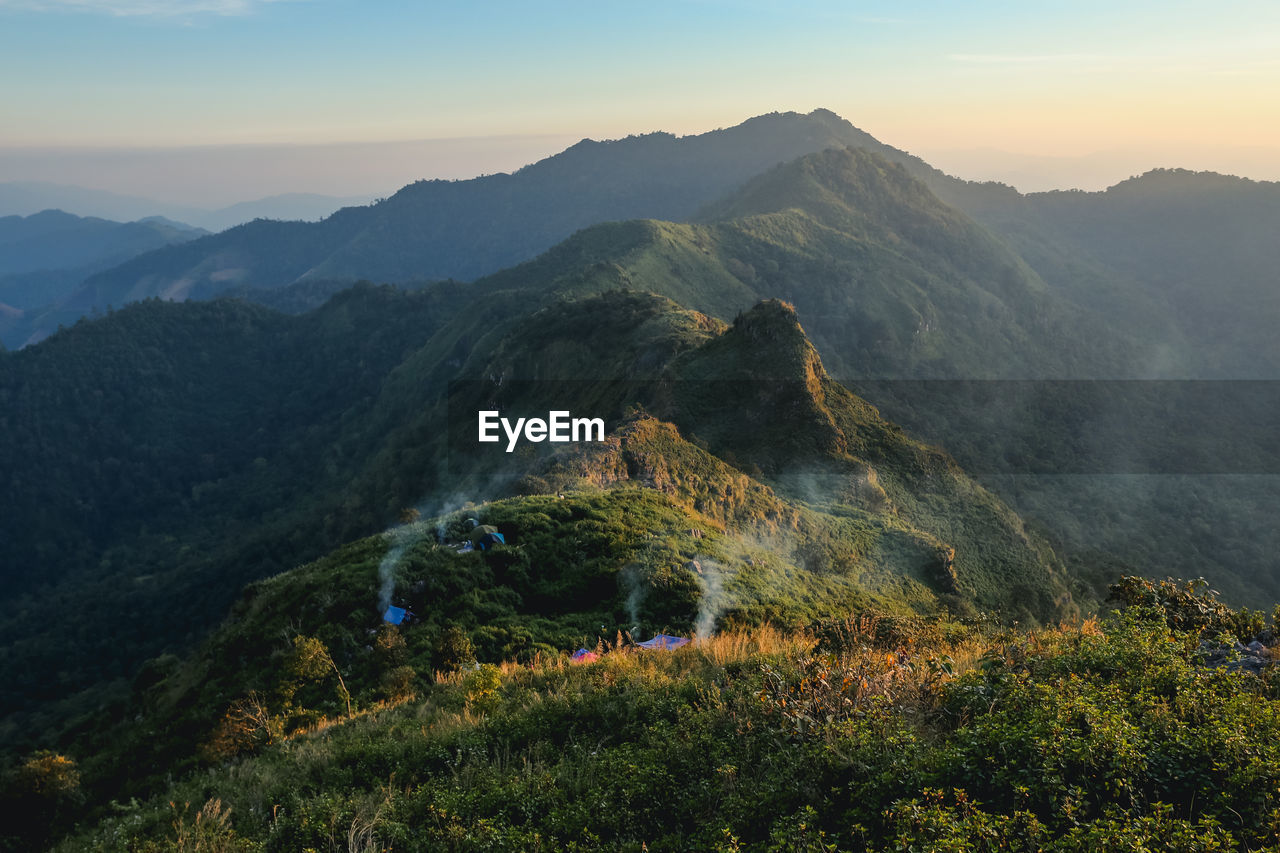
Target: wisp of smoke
{"x":634,"y":587}
{"x":405,"y":536}
{"x":714,"y":601}
{"x":387,"y":571}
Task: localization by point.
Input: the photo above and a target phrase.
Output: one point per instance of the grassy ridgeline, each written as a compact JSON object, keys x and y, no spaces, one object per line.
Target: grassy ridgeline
{"x":862,"y":734}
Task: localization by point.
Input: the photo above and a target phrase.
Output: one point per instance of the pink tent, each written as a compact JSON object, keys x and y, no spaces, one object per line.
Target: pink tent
{"x":584,"y":656}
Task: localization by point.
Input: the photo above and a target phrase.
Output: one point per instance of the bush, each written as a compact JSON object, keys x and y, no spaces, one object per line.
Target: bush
{"x":1184,"y":605}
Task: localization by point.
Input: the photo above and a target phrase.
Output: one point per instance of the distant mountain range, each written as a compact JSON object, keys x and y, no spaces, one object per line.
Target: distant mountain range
{"x":1103,"y":253}
{"x":52,"y":240}
{"x":22,"y":198}
{"x":45,"y":256}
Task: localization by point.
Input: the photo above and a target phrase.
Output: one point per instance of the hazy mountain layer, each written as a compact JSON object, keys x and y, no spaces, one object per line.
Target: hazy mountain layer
{"x":1138,"y":258}
{"x":23,"y":198}
{"x":1191,"y":253}
{"x":45,"y":256}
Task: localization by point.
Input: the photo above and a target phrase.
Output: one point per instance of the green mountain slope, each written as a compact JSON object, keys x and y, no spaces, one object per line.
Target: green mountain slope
{"x":892,"y":283}
{"x":161,"y":457}
{"x":889,"y":281}
{"x":820,"y":506}
{"x":758,"y":395}
{"x":738,"y":485}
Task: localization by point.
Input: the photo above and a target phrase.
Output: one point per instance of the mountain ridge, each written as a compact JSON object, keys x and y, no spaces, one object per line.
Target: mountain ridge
{"x":508,"y":218}
{"x":257,"y":503}
{"x":788,"y":493}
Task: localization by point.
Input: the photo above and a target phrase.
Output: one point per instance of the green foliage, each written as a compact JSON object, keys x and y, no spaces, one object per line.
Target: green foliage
{"x":454,"y":650}
{"x":246,"y":726}
{"x":940,"y":823}
{"x":209,"y":831}
{"x":1187,"y":606}
{"x":482,"y":688}
{"x":396,"y":684}
{"x":1069,"y":739}
{"x":309,"y":661}
{"x":50,"y":776}
{"x":41,"y":795}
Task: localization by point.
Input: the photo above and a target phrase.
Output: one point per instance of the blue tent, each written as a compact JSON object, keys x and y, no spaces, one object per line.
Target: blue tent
{"x":486,"y":536}
{"x":395,"y":615}
{"x":488,"y":540}
{"x":663,"y":641}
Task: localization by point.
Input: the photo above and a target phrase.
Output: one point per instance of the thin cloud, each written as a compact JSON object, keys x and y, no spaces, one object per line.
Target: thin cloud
{"x":141,"y":8}
{"x":1248,"y":69}
{"x":1025,"y":59}
{"x":826,"y":12}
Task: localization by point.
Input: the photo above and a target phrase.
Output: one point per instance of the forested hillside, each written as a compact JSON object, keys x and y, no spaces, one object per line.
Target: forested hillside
{"x":163,"y":456}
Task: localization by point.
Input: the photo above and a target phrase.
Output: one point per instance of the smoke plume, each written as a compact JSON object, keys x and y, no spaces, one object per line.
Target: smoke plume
{"x":436,"y":515}
{"x":401,"y":540}
{"x":633,"y":585}
{"x":714,"y":601}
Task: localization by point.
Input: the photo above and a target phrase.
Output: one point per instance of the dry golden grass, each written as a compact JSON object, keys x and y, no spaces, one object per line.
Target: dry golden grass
{"x":766,"y":640}
{"x":908,"y":671}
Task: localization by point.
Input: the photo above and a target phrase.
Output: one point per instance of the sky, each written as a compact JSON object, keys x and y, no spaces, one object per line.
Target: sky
{"x":223,"y":99}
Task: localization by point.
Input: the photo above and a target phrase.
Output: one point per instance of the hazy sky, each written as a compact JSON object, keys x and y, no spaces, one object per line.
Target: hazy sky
{"x":1178,"y":83}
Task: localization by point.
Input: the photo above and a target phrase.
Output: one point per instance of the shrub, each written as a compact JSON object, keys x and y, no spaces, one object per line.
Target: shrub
{"x":454,"y":650}
{"x":1184,"y":605}
{"x":482,"y":688}
{"x":49,"y":775}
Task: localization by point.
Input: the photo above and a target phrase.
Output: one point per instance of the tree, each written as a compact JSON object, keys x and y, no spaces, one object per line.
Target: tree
{"x":39,"y":796}
{"x":454,"y":650}
{"x":50,"y":776}
{"x":310,"y":661}
{"x":246,"y":726}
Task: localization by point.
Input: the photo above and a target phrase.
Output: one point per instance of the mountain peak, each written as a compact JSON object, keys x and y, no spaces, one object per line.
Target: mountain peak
{"x":764,"y":343}
{"x":1184,"y":182}
{"x":771,"y":319}
{"x":834,"y":185}
{"x":824,"y":113}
